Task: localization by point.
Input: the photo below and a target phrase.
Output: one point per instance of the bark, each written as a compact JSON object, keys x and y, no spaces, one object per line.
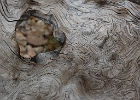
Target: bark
{"x":99,"y":57}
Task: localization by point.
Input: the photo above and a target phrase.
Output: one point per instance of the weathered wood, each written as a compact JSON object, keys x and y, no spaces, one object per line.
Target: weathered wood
{"x":99,"y":57}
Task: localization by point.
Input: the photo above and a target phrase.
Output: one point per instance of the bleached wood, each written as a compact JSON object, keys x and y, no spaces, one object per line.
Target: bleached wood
{"x":99,"y":57}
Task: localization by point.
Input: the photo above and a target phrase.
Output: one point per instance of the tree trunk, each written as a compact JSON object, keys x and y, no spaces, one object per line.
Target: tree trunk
{"x":99,"y":57}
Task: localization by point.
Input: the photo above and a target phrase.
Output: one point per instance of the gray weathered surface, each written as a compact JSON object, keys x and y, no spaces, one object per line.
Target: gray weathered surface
{"x":100,"y":59}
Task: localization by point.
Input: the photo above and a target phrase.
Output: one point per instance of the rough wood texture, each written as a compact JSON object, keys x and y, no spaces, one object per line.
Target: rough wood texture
{"x":99,"y":58}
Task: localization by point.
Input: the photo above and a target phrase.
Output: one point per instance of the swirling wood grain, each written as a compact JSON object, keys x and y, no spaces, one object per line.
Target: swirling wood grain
{"x":99,"y":57}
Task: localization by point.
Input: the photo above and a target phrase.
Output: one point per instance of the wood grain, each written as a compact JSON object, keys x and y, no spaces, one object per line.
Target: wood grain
{"x":99,"y":57}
